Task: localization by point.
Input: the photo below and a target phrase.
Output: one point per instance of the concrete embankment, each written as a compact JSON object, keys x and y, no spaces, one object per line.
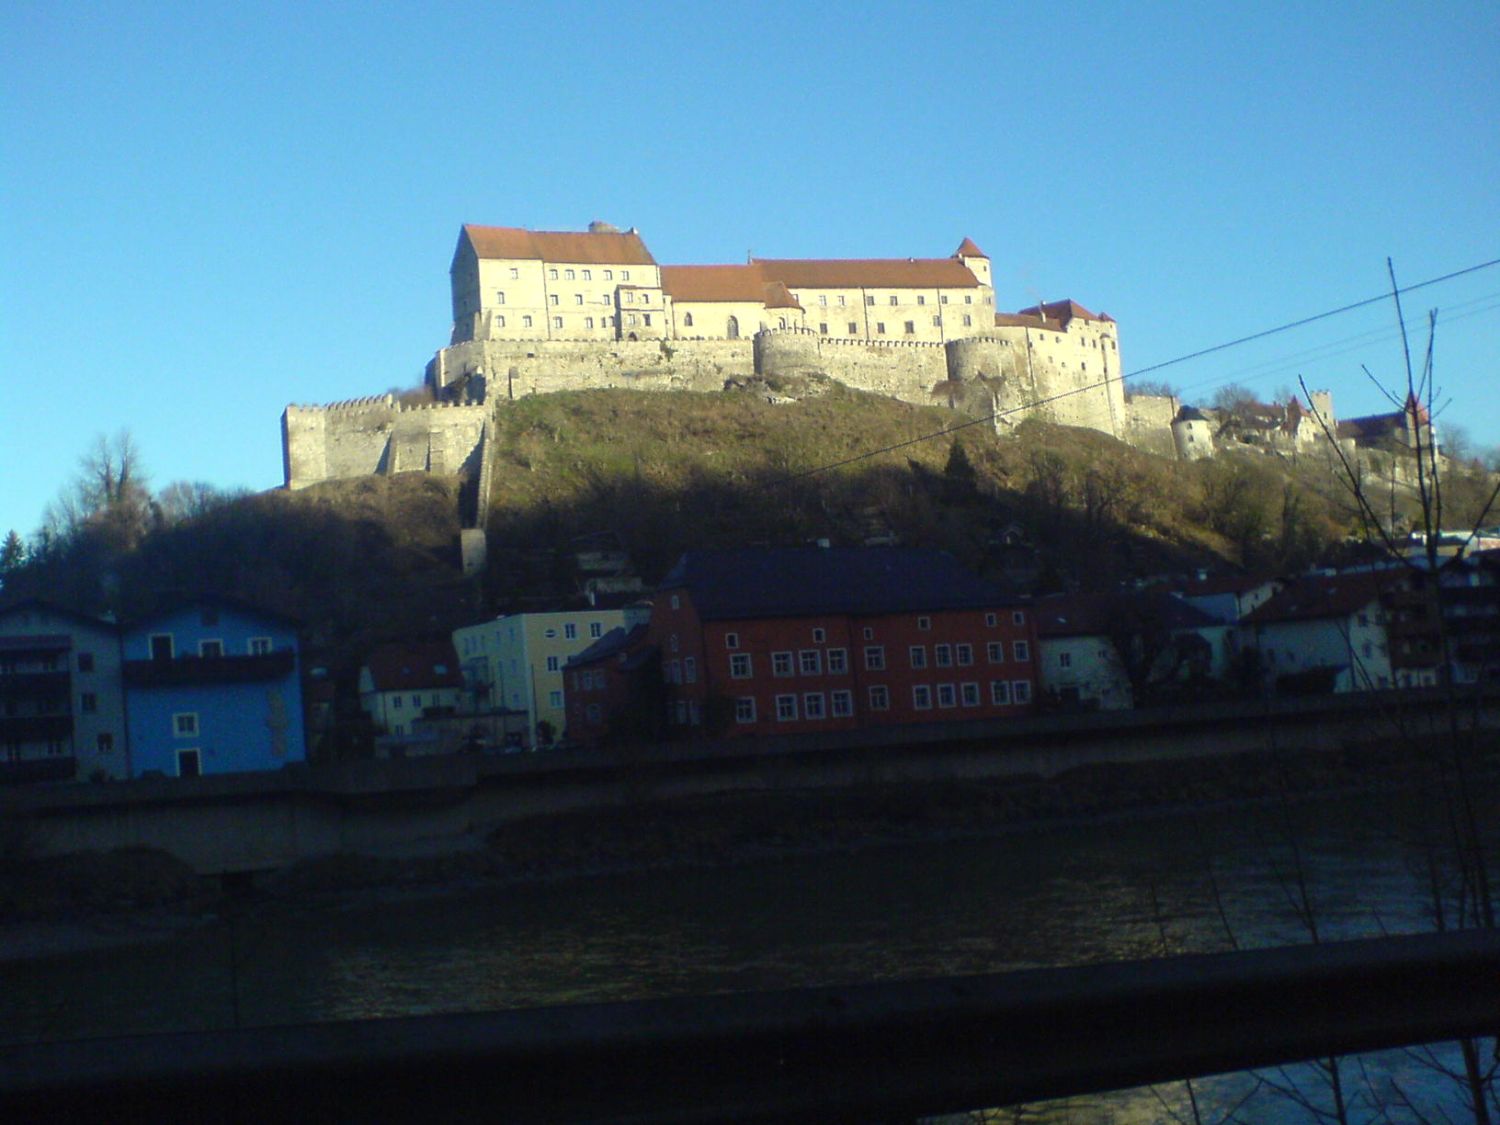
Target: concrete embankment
{"x":267,"y":821}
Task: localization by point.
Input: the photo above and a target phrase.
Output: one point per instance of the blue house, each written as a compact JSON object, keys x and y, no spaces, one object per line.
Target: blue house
{"x":212,"y":688}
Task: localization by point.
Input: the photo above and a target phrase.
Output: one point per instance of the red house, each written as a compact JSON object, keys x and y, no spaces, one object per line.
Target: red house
{"x":612,"y":688}
{"x":786,"y":640}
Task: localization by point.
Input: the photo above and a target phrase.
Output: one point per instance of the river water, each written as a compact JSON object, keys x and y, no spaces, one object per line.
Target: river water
{"x":1111,"y":890}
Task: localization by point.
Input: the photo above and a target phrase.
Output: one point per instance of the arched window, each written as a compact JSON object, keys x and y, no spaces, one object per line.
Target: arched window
{"x":687,"y":320}
{"x":781,"y":322}
{"x":732,"y":329}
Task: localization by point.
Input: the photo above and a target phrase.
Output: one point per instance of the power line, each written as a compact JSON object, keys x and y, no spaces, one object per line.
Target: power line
{"x":998,"y":414}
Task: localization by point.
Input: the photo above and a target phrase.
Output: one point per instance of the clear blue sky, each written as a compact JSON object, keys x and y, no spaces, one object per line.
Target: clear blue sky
{"x":212,"y":210}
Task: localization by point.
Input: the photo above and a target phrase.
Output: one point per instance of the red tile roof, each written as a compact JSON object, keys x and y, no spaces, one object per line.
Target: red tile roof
{"x":414,"y":667}
{"x":587,"y":247}
{"x":967,"y":249}
{"x":1316,"y":597}
{"x":869,"y":273}
{"x":725,"y":283}
{"x":1065,"y":311}
{"x":1017,"y":320}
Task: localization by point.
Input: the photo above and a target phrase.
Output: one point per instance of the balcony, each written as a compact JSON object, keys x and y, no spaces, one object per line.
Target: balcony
{"x":184,"y":671}
{"x":36,"y":728}
{"x":33,"y":685}
{"x":25,"y":771}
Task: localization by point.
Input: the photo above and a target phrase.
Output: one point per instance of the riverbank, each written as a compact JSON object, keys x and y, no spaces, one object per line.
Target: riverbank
{"x":97,"y":900}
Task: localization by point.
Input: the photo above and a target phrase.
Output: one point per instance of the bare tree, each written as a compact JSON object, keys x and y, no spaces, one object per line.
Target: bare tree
{"x":108,"y":496}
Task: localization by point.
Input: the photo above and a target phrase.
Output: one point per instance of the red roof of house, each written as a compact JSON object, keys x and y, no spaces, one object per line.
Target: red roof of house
{"x":587,"y":247}
{"x":967,"y":249}
{"x":1017,"y":320}
{"x":856,"y":273}
{"x":1065,"y":311}
{"x":1319,"y":596}
{"x":414,"y":667}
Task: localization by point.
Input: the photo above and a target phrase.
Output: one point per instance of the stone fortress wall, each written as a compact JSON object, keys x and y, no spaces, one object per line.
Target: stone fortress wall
{"x":377,"y":436}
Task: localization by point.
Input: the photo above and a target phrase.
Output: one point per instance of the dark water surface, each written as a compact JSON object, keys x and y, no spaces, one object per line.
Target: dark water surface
{"x":1056,"y":896}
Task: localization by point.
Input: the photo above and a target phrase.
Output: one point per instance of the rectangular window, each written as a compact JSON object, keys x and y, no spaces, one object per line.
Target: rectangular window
{"x":937,"y":321}
{"x":731,"y":640}
{"x":690,"y":669}
{"x":500,"y":297}
{"x":965,"y":655}
{"x":911,"y":327}
{"x":596,"y":629}
{"x":880,"y":328}
{"x":969,"y":322}
{"x":943,"y":299}
{"x":526,"y":321}
{"x":588,"y":275}
{"x":1065,"y":660}
{"x":995,"y":651}
{"x":1020,"y":691}
{"x":810,"y":661}
{"x":189,"y":763}
{"x":416,"y":702}
{"x":921,"y":299}
{"x":893,"y":298}
{"x":786,"y":708}
{"x":552,"y":274}
{"x":819,"y":636}
{"x":924,"y":623}
{"x":921,"y":697}
{"x":841,"y":300}
{"x":647,"y":319}
{"x":557,"y":322}
{"x":812,"y":706}
{"x":822,"y":329}
{"x":554,"y":699}
{"x":917,"y":655}
{"x":968,"y":298}
{"x":853,"y":328}
{"x":838,"y":661}
{"x":942,"y":655}
{"x":396,"y":703}
{"x":1018,"y":618}
{"x":624,"y":275}
{"x":875,"y":658}
{"x":578,"y":298}
{"x":515,"y":272}
{"x":969,"y":694}
{"x":105,"y":743}
{"x":567,"y":275}
{"x":870,"y":299}
{"x":260,"y":646}
{"x":822,"y":298}
{"x":947,"y":697}
{"x":552,"y":299}
{"x":843,"y":704}
{"x":85,"y":661}
{"x":570,"y":631}
{"x":1021,"y":650}
{"x":211,"y":649}
{"x":646,"y":300}
{"x":744,"y":709}
{"x":739,"y":666}
{"x":781,"y":664}
{"x":1000,"y":693}
{"x":88,"y":703}
{"x":609,"y":275}
{"x":185,"y":724}
{"x":161,"y":646}
{"x":880,"y":697}
{"x":674,"y":671}
{"x":990,"y":620}
{"x":869,"y":633}
{"x":552,"y":664}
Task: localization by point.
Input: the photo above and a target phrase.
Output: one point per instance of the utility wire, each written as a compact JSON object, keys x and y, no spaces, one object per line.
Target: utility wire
{"x":993,"y":416}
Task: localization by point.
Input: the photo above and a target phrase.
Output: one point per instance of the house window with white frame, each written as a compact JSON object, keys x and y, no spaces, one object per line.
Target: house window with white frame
{"x":969,"y":694}
{"x":739,"y":666}
{"x":185,"y":724}
{"x":921,"y":697}
{"x":810,"y":661}
{"x":917,"y":656}
{"x":1020,"y":691}
{"x":812,"y":705}
{"x":843,"y":704}
{"x":1021,"y":650}
{"x":965,"y":654}
{"x":995,"y":651}
{"x":947,"y":697}
{"x":875,"y":658}
{"x":942,"y":655}
{"x":260,"y":646}
{"x":786,"y":708}
{"x":880,"y":697}
{"x":744,"y":709}
{"x":838,"y":661}
{"x":781,"y":664}
{"x":1000,"y":693}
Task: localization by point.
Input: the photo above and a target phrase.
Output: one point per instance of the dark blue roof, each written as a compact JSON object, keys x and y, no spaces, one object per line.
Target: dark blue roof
{"x":809,"y":581}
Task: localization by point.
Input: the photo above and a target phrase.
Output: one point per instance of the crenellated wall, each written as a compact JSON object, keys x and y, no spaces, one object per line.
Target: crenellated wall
{"x":378,"y":435}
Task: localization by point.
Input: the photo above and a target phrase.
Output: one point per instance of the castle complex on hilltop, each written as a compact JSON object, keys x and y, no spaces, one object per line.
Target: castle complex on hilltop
{"x":542,"y":311}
